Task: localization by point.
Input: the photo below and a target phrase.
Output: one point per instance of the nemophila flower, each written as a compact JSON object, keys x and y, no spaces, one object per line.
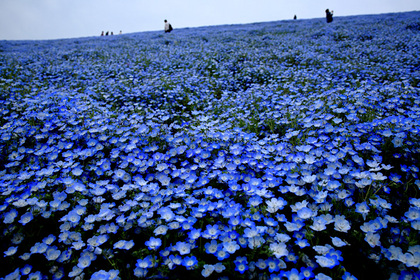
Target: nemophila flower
{"x":251,"y":232}
{"x":26,"y":218}
{"x":261,"y":264}
{"x":52,"y":253}
{"x":189,"y":262}
{"x":207,"y":270}
{"x":302,"y":243}
{"x":211,"y":247}
{"x":161,"y":230}
{"x":176,"y":260}
{"x":294,"y":226}
{"x":182,"y":247}
{"x":336,"y":241}
{"x":26,"y":269}
{"x":322,"y":276}
{"x":348,"y":276}
{"x":78,"y":245}
{"x":326,"y":261}
{"x":241,"y":264}
{"x":10,"y":251}
{"x":166,"y":214}
{"x":305,"y":213}
{"x":231,"y":246}
{"x":10,"y":216}
{"x":104,"y":275}
{"x":39,"y":248}
{"x":279,"y":249}
{"x":37,"y":275}
{"x":373,"y":239}
{"x":145,"y":263}
{"x":274,"y":264}
{"x":292,"y":274}
{"x":306,"y":273}
{"x":412,"y":214}
{"x":221,"y":253}
{"x":123,"y":244}
{"x":211,"y":232}
{"x":341,"y":224}
{"x":84,"y":261}
{"x":362,"y":208}
{"x":153,"y":243}
{"x":77,"y":171}
{"x":194,"y":234}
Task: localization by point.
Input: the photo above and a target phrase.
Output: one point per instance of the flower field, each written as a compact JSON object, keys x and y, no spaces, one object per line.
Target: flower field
{"x":277,"y":150}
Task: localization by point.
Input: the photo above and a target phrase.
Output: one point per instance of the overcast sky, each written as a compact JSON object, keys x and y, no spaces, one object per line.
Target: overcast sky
{"x":55,"y":19}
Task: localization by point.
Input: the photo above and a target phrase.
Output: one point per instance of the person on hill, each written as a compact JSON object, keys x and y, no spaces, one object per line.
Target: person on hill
{"x":329,"y":15}
{"x":168,"y":27}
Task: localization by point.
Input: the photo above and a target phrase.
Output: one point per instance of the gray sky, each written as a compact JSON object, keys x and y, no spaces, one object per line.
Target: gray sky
{"x":54,"y":19}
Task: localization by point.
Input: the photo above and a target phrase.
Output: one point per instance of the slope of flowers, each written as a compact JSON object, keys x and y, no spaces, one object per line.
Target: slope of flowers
{"x":280,"y":150}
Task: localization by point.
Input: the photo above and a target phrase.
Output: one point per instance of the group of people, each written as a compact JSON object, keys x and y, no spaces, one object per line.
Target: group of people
{"x":107,"y":33}
{"x":329,"y":15}
{"x":168,"y":27}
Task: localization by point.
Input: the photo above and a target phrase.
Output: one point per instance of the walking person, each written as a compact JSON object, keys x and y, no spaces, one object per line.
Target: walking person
{"x":168,"y":27}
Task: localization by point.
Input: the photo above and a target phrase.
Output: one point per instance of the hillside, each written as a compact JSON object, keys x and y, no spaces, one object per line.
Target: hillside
{"x":276,"y":150}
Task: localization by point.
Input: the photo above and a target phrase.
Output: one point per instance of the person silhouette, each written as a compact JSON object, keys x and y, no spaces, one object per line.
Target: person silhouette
{"x":168,"y":26}
{"x":329,"y":15}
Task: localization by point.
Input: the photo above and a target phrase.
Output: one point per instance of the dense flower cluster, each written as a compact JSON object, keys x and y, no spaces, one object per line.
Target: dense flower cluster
{"x":281,"y":150}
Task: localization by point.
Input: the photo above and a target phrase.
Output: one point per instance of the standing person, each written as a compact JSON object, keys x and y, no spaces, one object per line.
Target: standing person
{"x":329,"y":15}
{"x":168,"y":26}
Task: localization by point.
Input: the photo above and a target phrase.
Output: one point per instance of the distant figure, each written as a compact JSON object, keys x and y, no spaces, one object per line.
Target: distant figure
{"x":329,"y":15}
{"x":120,"y":32}
{"x":112,"y":32}
{"x":295,"y":17}
{"x":102,"y":34}
{"x":168,"y":26}
{"x":107,"y":33}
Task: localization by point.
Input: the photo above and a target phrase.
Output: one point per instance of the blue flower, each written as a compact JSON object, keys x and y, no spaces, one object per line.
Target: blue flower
{"x":52,"y":253}
{"x":306,"y":272}
{"x":153,"y":243}
{"x":104,"y":275}
{"x":26,"y":269}
{"x":123,"y":244}
{"x":194,"y":234}
{"x":207,"y":270}
{"x":145,"y":263}
{"x":35,"y":276}
{"x":305,"y":213}
{"x":241,"y":264}
{"x":182,"y":247}
{"x":10,"y":216}
{"x":190,"y":262}
{"x":362,"y":208}
{"x":231,"y":246}
{"x":293,"y":274}
{"x":211,"y":232}
{"x":221,"y":253}
{"x":211,"y":247}
{"x":324,"y":261}
{"x":26,"y":218}
{"x":10,"y":251}
{"x":348,"y":276}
